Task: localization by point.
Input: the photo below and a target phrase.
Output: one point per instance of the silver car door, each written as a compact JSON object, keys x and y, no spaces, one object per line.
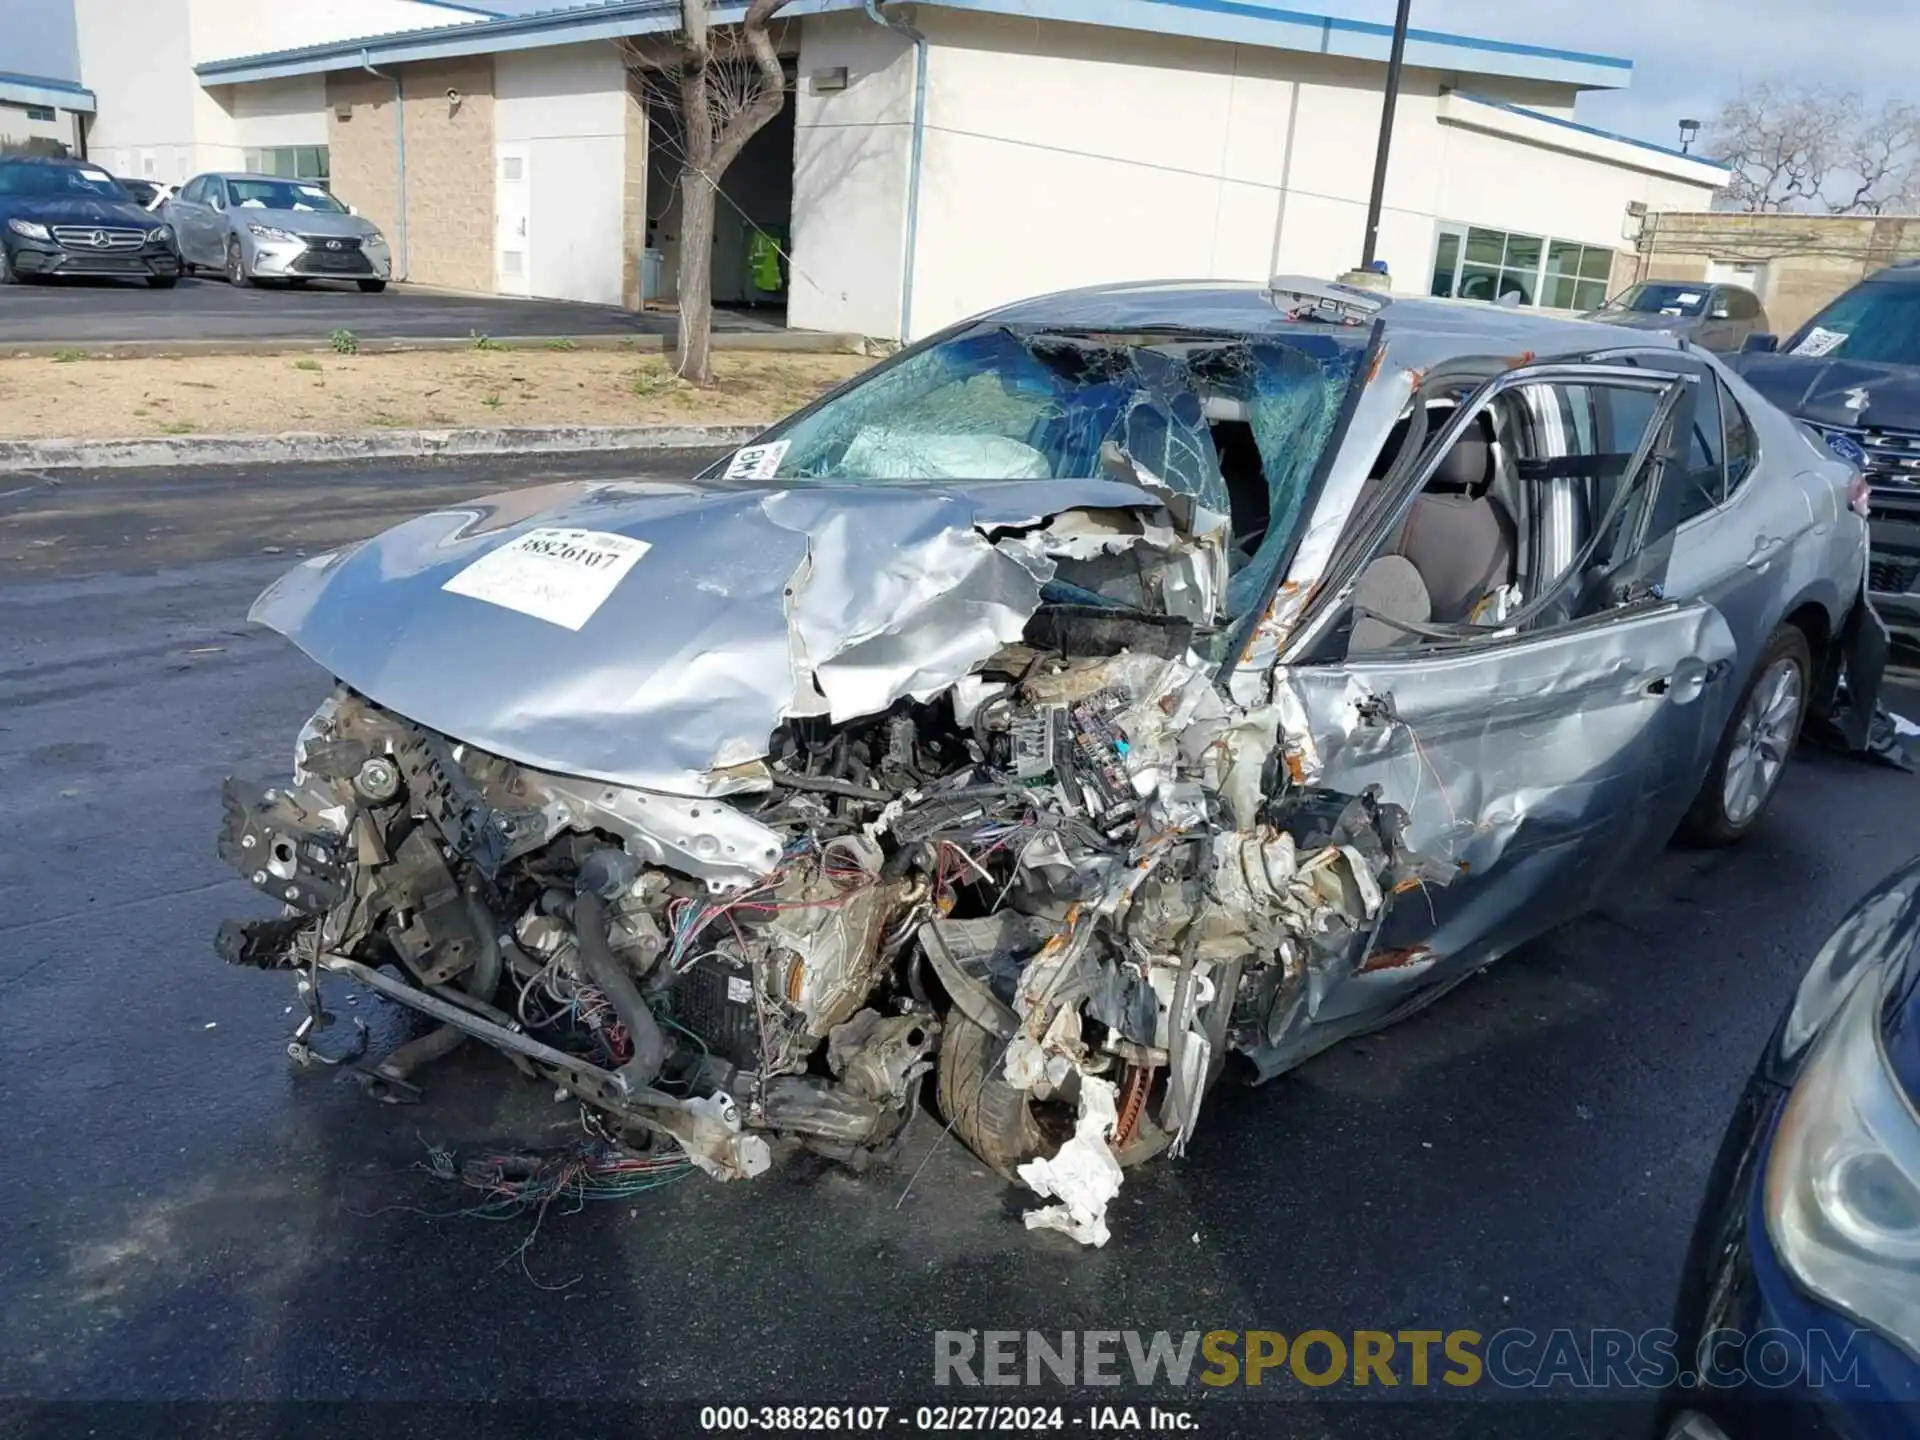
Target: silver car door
{"x":178,"y":213}
{"x":1532,"y":759}
{"x":1737,"y":552}
{"x":195,"y":220}
{"x":219,"y":221}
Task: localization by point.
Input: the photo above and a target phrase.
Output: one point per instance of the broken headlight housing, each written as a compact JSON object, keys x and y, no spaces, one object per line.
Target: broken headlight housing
{"x":1843,"y":1179}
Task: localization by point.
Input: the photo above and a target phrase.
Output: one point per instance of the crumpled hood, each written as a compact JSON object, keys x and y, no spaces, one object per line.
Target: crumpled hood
{"x":1823,"y":391}
{"x":650,"y":633}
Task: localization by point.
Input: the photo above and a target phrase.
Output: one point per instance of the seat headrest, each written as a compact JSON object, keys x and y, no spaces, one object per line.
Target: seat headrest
{"x":1468,"y":466}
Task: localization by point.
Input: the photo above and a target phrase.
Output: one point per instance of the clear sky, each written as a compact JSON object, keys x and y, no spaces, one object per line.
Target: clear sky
{"x":1689,"y":55}
{"x":36,"y":36}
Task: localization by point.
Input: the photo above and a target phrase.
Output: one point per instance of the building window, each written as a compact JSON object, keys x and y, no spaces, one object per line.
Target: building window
{"x":40,"y":112}
{"x":291,"y":162}
{"x":1472,"y":263}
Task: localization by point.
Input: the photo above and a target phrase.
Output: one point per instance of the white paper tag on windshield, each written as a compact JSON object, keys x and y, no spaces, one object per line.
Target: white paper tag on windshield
{"x":313,"y":190}
{"x":1687,"y":297}
{"x":560,"y":576}
{"x":757,"y":462}
{"x":99,"y":177}
{"x":1821,"y":341}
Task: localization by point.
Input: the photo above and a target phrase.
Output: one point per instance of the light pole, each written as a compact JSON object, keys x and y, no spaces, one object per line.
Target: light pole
{"x":1688,"y":129}
{"x":1394,"y":59}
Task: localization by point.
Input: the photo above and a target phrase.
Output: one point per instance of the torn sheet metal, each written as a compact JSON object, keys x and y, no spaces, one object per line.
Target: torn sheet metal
{"x":901,"y":594}
{"x":1083,"y":1175}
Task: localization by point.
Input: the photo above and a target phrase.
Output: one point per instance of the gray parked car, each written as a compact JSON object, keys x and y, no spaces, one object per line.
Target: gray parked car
{"x":260,"y":227}
{"x":1114,"y":683}
{"x":1714,"y":317}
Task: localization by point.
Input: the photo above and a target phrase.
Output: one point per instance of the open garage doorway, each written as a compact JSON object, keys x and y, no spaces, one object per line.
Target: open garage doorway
{"x":753,"y":221}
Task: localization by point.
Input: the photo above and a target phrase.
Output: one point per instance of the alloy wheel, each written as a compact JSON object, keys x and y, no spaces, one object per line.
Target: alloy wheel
{"x":1762,"y":740}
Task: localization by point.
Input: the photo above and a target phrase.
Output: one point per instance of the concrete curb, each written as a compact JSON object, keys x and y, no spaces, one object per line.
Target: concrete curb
{"x":789,"y":342}
{"x":296,"y":449}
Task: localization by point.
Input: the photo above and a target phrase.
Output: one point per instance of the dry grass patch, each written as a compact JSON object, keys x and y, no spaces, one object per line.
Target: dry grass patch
{"x":438,"y":389}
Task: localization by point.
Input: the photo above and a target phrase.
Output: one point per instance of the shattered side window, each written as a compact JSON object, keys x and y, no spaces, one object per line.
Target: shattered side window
{"x":1238,"y":423}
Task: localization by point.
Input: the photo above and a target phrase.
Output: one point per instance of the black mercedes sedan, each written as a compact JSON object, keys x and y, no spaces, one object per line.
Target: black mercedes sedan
{"x":66,"y":217}
{"x":1799,"y":1311}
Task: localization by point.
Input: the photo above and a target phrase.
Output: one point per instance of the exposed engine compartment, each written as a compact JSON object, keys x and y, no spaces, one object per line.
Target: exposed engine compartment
{"x":960,"y":798}
{"x":1077,"y":856}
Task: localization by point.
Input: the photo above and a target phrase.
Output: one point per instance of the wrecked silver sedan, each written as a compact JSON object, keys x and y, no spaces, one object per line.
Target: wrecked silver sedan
{"x":1115,"y":684}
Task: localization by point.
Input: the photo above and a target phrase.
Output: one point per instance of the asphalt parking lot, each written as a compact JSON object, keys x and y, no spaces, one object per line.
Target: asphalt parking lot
{"x":102,"y":312}
{"x":188,"y":1219}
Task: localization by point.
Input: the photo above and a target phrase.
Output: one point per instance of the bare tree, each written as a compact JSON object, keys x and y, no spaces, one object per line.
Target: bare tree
{"x":724,"y":89}
{"x":1884,"y":163}
{"x":1817,"y":149}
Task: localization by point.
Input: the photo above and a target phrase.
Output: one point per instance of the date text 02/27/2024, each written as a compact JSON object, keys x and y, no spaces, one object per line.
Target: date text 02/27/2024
{"x":1110,"y":1420}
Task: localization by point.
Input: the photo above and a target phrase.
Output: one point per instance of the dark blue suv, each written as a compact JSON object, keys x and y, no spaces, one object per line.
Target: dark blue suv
{"x":64,"y":217}
{"x":1852,"y":372}
{"x":1799,"y":1313}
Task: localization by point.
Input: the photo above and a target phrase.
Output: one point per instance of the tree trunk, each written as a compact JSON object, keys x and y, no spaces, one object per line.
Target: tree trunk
{"x":694,"y":356}
{"x":710,"y":148}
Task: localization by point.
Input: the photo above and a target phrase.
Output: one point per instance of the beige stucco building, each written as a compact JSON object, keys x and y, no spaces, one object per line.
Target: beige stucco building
{"x":932,"y":159}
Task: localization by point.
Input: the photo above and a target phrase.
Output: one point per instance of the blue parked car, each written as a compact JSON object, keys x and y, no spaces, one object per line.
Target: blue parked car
{"x":1799,"y":1312}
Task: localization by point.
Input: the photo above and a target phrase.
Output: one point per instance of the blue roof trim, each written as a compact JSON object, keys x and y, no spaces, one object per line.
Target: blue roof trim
{"x":1596,"y":133}
{"x":599,"y":20}
{"x":44,"y":82}
{"x":1231,"y":21}
{"x":1333,"y":24}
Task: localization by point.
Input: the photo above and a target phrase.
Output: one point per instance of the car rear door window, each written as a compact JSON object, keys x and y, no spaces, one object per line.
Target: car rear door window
{"x":1703,"y":480}
{"x":1742,"y":445}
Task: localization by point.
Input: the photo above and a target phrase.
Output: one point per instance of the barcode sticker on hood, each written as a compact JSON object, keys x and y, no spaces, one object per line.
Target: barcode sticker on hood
{"x":560,"y":576}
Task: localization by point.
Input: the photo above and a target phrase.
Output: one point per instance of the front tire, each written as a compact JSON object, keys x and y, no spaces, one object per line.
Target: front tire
{"x":371,"y":287}
{"x":8,"y":275}
{"x":1006,"y":1127}
{"x":237,"y":265}
{"x":1758,"y":741}
{"x":162,"y":282}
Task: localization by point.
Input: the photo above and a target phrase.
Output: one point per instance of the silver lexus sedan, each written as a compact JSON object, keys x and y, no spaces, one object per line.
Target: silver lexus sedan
{"x":265,"y":227}
{"x":1111,"y":684}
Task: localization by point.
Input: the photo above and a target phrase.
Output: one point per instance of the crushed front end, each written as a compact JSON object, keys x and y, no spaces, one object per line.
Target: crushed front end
{"x":925,"y":786}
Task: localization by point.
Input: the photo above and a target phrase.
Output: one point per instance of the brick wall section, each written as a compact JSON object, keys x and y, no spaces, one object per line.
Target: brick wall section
{"x":1810,"y":259}
{"x":450,"y":200}
{"x":633,"y":209}
{"x":450,"y":173}
{"x":361,"y":148}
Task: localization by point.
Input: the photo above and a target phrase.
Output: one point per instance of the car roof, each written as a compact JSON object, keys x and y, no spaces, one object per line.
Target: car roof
{"x":1420,"y":330}
{"x":1901,"y":272}
{"x":251,"y":175}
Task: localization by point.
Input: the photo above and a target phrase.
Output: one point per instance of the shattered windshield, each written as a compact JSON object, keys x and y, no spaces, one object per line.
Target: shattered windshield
{"x":1237,"y":422}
